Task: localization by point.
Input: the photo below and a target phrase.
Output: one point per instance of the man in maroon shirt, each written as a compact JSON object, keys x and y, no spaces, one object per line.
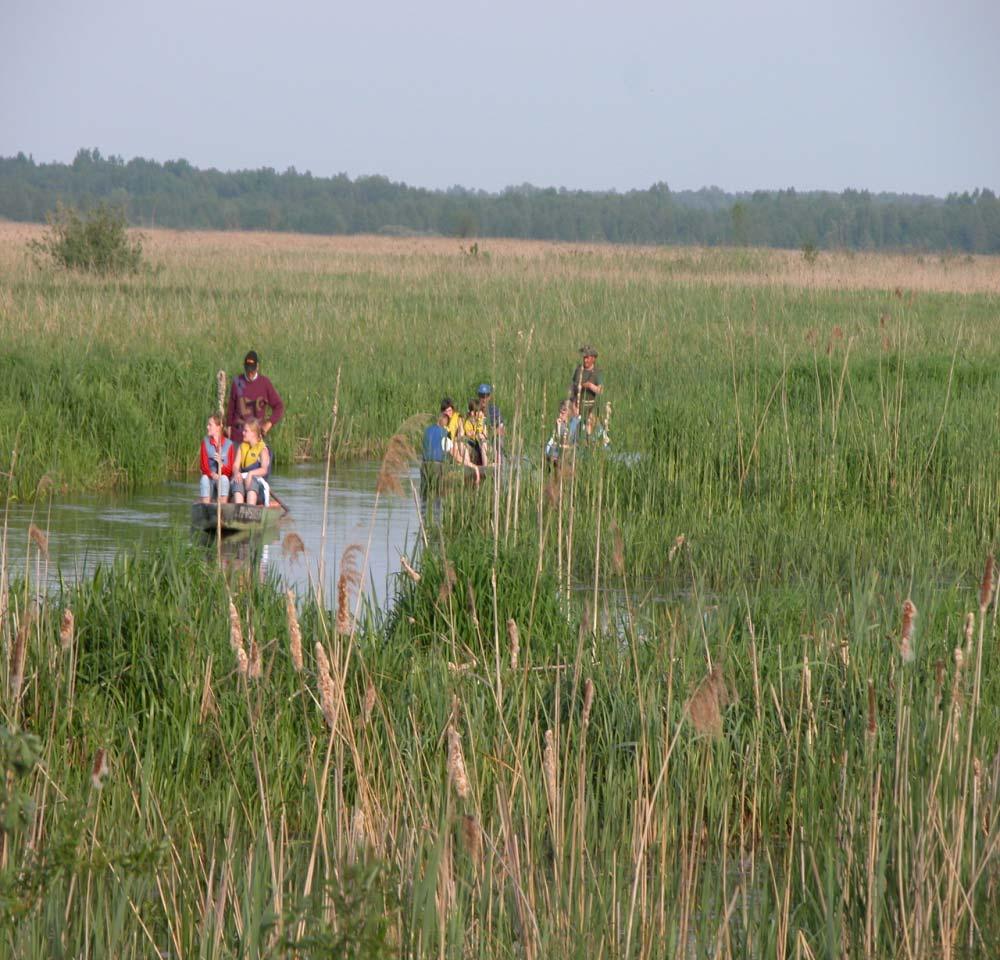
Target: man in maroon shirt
{"x":252,"y":396}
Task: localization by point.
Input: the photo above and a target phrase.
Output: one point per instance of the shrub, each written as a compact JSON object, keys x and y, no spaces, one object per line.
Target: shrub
{"x":96,"y":241}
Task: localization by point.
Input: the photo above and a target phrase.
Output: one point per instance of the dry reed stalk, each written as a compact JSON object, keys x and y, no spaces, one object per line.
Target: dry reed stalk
{"x":40,"y":540}
{"x":906,"y":633}
{"x":292,"y":546}
{"x":447,"y":582}
{"x":66,"y":629}
{"x":456,"y":764}
{"x":99,"y":770}
{"x":514,"y":638}
{"x":679,"y":542}
{"x":359,"y":831}
{"x":705,"y":705}
{"x":472,"y":839}
{"x":294,"y":633}
{"x":209,"y":708}
{"x":348,"y":581}
{"x":970,"y":625}
{"x":986,"y":586}
{"x":255,"y":666}
{"x":326,"y":687}
{"x":807,"y":684}
{"x":588,"y":702}
{"x":408,"y":569}
{"x":220,"y":390}
{"x":470,"y":596}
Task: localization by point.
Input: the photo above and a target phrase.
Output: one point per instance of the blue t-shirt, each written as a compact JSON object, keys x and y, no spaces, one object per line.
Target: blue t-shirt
{"x":436,"y":443}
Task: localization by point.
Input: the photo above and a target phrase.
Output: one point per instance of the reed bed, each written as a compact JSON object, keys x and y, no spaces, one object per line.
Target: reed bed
{"x":737,"y":696}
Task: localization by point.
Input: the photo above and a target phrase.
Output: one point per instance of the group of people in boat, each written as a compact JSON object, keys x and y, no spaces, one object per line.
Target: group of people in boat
{"x":235,"y":458}
{"x":475,"y":440}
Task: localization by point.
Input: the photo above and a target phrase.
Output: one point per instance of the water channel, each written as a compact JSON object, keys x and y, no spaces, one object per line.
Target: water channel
{"x":84,"y":532}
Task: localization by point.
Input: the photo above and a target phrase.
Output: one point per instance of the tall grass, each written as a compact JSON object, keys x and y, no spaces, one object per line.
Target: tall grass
{"x":735,"y":698}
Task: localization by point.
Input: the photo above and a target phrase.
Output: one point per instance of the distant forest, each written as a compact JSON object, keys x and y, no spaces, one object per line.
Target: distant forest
{"x":176,"y":194}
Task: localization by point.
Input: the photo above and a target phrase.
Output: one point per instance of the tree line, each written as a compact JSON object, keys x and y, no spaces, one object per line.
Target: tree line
{"x":179,"y":195}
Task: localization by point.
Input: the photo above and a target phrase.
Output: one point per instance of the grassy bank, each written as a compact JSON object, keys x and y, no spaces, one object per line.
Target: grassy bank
{"x":734,"y":696}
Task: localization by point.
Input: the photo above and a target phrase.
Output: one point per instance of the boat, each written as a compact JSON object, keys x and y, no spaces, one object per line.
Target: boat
{"x":231,"y":518}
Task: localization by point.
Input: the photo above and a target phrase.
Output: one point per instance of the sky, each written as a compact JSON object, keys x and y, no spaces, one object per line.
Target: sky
{"x":884,"y":95}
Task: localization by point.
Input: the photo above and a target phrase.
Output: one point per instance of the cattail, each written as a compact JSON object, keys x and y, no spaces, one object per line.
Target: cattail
{"x":325,"y":684}
{"x":704,"y":708}
{"x":17,"y":656}
{"x":906,"y":633}
{"x":399,"y":454}
{"x":255,"y":667}
{"x":472,"y":838}
{"x":986,"y":587}
{"x":220,"y":383}
{"x":588,"y":701}
{"x":292,"y":546}
{"x":679,"y":542}
{"x":66,"y":629}
{"x":959,"y":659}
{"x":236,"y":640}
{"x":514,"y":637}
{"x":456,"y":764}
{"x":872,"y":716}
{"x":40,"y":540}
{"x":359,"y":833}
{"x":408,"y":569}
{"x":617,"y":549}
{"x":294,"y":633}
{"x":448,"y":582}
{"x":100,"y":769}
{"x":242,"y":662}
{"x":970,"y":624}
{"x":369,"y":704}
{"x":549,"y":769}
{"x":348,"y":581}
{"x":470,"y":596}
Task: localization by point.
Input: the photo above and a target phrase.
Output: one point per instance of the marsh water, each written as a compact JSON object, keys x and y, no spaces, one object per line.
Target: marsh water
{"x":84,"y":532}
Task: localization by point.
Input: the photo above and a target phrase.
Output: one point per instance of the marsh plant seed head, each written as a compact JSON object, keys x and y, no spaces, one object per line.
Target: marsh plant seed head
{"x":220,"y":383}
{"x":369,"y":704}
{"x":617,"y":549}
{"x":906,"y":632}
{"x":679,"y":542}
{"x":447,"y":582}
{"x":456,"y":764}
{"x":255,"y":667}
{"x":325,"y":685}
{"x":872,"y":715}
{"x":986,"y":586}
{"x":588,"y":701}
{"x":705,"y":705}
{"x":359,"y":832}
{"x":66,"y":629}
{"x":472,"y":838}
{"x":959,"y":660}
{"x":294,"y":633}
{"x":347,"y":584}
{"x":399,"y":454}
{"x":408,"y":569}
{"x":514,"y":638}
{"x":18,"y":653}
{"x":235,"y":627}
{"x":549,"y":770}
{"x":292,"y":547}
{"x":470,"y":596}
{"x":99,"y":770}
{"x":970,"y":626}
{"x":40,"y":540}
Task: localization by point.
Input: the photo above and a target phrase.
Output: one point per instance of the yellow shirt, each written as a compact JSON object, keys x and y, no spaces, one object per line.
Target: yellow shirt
{"x":453,"y":425}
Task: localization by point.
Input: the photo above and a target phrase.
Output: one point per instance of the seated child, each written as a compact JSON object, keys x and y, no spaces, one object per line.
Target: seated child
{"x":217,"y":453}
{"x":253,"y":464}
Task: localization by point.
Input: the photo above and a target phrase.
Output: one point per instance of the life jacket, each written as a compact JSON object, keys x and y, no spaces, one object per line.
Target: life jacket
{"x":250,"y":456}
{"x":218,"y":453}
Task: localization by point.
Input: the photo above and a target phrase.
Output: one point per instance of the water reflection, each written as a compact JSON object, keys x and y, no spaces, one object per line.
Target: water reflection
{"x":88,"y":531}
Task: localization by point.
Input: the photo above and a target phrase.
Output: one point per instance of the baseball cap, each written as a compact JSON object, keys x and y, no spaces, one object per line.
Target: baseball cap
{"x":250,"y":360}
{"x":484,"y":390}
{"x":588,"y":351}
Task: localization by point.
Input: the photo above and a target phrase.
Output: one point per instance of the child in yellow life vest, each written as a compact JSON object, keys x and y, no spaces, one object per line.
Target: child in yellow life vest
{"x":474,"y":431}
{"x":253,"y":463}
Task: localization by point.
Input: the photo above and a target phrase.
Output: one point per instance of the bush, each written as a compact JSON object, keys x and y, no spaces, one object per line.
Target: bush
{"x":96,"y":241}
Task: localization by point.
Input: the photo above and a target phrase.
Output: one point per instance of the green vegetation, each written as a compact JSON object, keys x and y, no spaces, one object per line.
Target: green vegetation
{"x":176,"y":194}
{"x":735,"y":697}
{"x":96,"y":241}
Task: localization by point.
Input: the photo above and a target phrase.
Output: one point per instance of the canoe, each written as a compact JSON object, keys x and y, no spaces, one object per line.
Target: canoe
{"x":236,"y":517}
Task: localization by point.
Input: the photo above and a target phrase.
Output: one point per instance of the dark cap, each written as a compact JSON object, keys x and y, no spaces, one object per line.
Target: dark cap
{"x":250,"y":360}
{"x":447,"y":402}
{"x":484,"y":390}
{"x":587,"y":351}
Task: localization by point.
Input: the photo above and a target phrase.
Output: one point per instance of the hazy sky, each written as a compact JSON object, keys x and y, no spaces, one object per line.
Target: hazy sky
{"x":880,"y":94}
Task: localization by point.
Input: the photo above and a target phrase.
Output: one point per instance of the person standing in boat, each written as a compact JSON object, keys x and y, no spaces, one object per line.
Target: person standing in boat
{"x":253,"y":464}
{"x":586,"y":387}
{"x":252,"y":396}
{"x":217,"y":453}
